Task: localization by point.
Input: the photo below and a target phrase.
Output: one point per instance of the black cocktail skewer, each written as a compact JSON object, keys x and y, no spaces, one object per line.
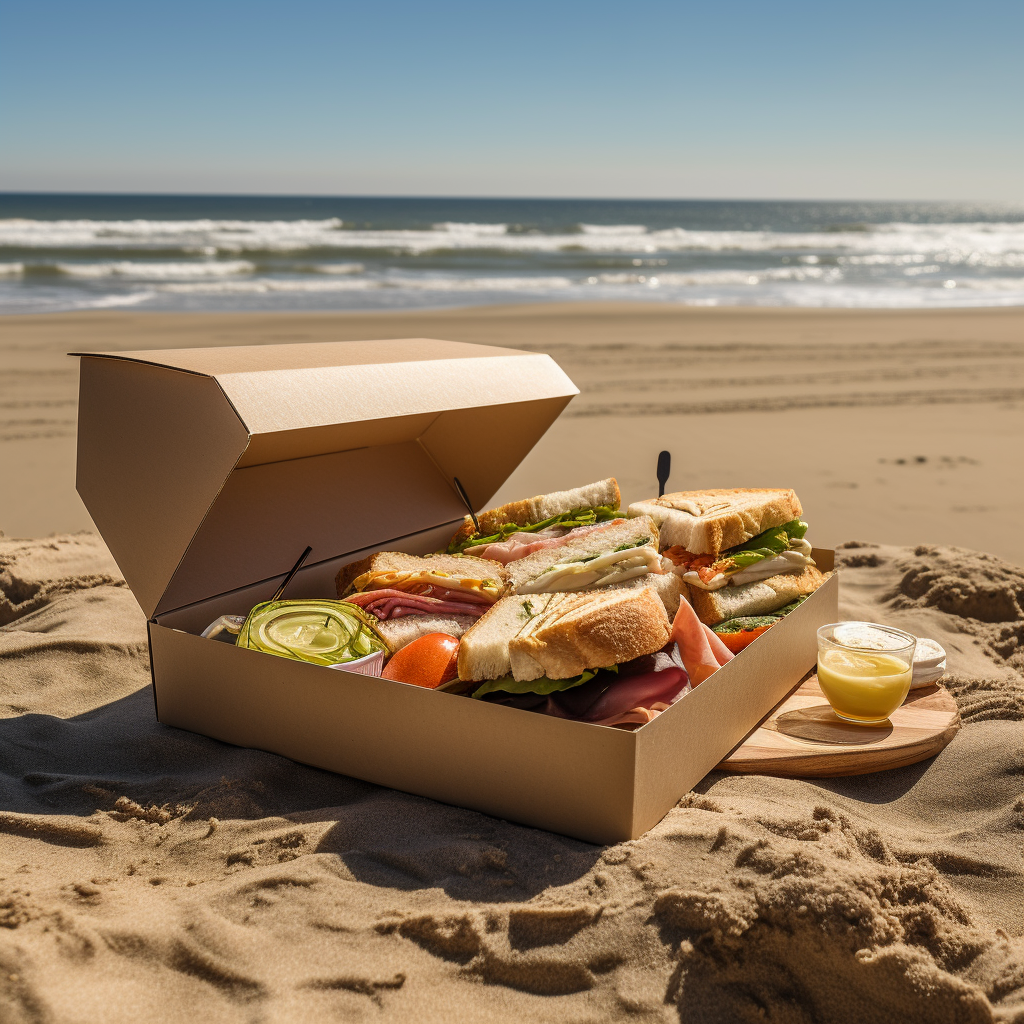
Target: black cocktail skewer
{"x":294,"y":569}
{"x":465,"y":501}
{"x":664,"y":469}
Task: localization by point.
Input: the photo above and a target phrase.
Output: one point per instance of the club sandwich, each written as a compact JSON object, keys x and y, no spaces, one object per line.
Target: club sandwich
{"x":623,"y":553}
{"x":520,"y":528}
{"x":740,"y":551}
{"x":412,"y":595}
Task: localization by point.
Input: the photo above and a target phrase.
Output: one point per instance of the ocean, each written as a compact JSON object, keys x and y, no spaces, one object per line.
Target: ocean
{"x":76,"y":252}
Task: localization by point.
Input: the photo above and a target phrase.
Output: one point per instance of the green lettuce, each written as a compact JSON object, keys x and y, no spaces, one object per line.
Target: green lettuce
{"x":570,"y":520}
{"x":745,"y":622}
{"x":542,"y":686}
{"x":742,"y":622}
{"x":766,"y":545}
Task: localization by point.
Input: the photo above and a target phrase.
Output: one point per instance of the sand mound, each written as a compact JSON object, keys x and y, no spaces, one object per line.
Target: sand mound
{"x":150,"y":874}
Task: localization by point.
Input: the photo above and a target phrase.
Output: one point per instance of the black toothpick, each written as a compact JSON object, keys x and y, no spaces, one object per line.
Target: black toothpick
{"x":294,"y":569}
{"x":664,"y":469}
{"x":465,"y":500}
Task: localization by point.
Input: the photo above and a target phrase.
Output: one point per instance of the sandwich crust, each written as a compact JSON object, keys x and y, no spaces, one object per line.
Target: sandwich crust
{"x":584,"y":631}
{"x":535,"y":510}
{"x":712,"y":521}
{"x":760,"y":598}
{"x":465,"y":566}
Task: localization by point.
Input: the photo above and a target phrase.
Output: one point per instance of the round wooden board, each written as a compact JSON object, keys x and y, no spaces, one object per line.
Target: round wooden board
{"x":803,"y":737}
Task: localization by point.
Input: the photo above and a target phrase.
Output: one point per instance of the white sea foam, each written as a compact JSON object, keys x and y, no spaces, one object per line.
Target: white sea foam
{"x":336,"y":268}
{"x":984,"y":244}
{"x":157,"y":271}
{"x":262,"y":286}
{"x":613,"y":230}
{"x":11,"y":269}
{"x":460,"y":228}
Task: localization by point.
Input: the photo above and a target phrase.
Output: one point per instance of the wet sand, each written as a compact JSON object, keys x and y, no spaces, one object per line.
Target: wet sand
{"x":895,"y":427}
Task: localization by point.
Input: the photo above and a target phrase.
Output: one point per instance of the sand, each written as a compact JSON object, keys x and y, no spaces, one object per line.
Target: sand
{"x":147,"y":873}
{"x":150,"y":874}
{"x":894,"y":427}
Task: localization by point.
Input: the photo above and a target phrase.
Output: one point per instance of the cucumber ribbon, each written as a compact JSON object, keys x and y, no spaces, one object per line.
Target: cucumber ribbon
{"x":321,"y":632}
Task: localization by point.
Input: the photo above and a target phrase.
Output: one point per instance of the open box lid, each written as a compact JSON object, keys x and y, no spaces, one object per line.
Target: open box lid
{"x":210,"y":469}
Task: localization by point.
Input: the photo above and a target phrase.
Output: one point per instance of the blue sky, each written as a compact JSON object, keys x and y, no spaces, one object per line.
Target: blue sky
{"x":790,"y":100}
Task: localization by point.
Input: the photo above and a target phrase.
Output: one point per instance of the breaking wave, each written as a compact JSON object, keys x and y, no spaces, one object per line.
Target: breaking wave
{"x":409,"y":253}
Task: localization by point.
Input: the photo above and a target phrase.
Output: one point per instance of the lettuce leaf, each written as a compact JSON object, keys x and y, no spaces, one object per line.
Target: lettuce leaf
{"x":745,"y":622}
{"x":570,"y":520}
{"x":542,"y":686}
{"x":765,"y":545}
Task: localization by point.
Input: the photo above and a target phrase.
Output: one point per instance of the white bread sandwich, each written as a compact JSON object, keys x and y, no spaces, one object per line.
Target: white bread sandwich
{"x":412,"y":595}
{"x":593,"y":657}
{"x":522,"y":527}
{"x":752,"y":599}
{"x":741,"y":551}
{"x":615,"y":553}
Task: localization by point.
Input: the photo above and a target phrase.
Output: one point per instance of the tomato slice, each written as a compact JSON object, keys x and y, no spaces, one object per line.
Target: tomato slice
{"x":428,"y":661}
{"x":737,"y":641}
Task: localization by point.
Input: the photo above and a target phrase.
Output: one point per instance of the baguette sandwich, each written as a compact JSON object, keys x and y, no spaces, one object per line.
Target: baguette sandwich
{"x":523,"y":527}
{"x":592,"y":657}
{"x":741,"y":552}
{"x":412,"y":595}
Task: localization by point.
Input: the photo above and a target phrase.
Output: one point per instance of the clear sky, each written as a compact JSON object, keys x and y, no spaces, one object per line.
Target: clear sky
{"x":894,"y":99}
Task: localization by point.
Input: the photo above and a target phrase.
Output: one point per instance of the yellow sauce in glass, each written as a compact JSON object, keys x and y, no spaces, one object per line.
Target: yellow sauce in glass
{"x":863,"y":686}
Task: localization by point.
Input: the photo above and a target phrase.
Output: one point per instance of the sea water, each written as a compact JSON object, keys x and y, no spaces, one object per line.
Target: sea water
{"x":66,"y":252}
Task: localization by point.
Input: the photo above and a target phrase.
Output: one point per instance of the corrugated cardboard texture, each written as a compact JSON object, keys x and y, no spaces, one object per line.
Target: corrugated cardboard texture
{"x":208,"y":470}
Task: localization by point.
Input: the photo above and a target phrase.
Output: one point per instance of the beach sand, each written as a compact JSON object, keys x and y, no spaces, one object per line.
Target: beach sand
{"x":150,"y":874}
{"x":895,"y":427}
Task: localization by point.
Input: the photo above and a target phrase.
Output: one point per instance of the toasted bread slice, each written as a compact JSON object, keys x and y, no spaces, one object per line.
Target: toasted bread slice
{"x":464,"y":566}
{"x":714,"y":606}
{"x":710,"y":522}
{"x":543,"y":506}
{"x":582,"y":631}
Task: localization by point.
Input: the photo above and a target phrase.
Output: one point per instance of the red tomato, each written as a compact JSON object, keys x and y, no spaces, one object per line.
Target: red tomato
{"x":737,"y":641}
{"x":428,"y":661}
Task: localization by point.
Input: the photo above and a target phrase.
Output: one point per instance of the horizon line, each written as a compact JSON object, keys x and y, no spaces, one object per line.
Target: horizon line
{"x":485,"y":198}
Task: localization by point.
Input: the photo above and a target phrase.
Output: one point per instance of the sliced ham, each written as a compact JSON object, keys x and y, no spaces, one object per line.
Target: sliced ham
{"x":702,"y":650}
{"x":393,"y":604}
{"x":642,"y":691}
{"x":519,"y":545}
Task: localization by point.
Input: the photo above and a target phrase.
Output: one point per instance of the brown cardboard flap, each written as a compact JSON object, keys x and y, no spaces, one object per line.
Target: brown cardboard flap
{"x":209,"y":469}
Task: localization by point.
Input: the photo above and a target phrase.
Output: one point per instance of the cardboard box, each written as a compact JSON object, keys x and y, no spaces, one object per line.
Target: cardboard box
{"x":207,"y":471}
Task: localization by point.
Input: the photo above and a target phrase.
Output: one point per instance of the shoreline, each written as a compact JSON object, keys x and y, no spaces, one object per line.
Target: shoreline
{"x":828,"y":401}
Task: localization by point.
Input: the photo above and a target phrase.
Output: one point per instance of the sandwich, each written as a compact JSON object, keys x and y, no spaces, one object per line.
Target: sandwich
{"x":622,"y":553}
{"x":411,"y":595}
{"x":602,"y":658}
{"x":522,"y":527}
{"x":741,"y":552}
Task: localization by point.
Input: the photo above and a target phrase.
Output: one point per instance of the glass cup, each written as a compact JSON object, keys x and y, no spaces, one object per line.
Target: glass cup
{"x":865,"y":669}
